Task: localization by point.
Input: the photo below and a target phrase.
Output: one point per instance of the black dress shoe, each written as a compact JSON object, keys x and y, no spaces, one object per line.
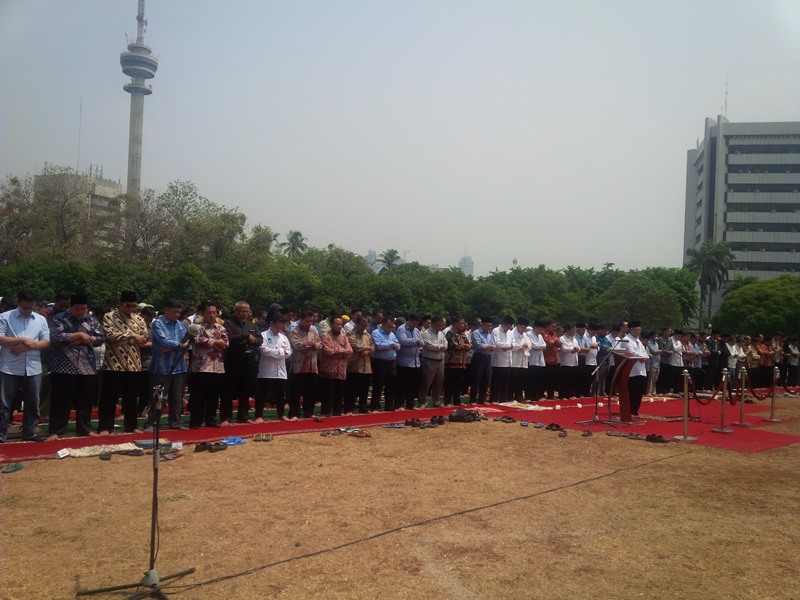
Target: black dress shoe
{"x":34,"y":438}
{"x":213,"y":424}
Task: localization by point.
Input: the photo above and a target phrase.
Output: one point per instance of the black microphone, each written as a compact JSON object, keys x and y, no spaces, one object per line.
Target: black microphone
{"x":191,"y":333}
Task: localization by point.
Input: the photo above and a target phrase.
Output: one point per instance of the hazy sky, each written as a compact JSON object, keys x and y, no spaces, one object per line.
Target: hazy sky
{"x":553,"y":132}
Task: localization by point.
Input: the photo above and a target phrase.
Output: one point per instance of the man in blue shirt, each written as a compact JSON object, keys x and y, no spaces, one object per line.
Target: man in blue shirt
{"x":408,"y":362}
{"x":23,"y":335}
{"x":167,"y":333}
{"x":384,"y":369}
{"x":482,"y":347}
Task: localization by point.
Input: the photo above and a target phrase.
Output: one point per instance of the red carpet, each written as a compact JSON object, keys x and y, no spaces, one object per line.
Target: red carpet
{"x":749,"y":440}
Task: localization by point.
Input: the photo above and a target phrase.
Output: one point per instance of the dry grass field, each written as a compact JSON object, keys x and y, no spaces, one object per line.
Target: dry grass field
{"x":464,"y":511}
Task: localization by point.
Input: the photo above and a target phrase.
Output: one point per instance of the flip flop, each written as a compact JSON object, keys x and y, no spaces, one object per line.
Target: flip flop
{"x":359,"y":433}
{"x":562,"y":433}
{"x":586,"y":433}
{"x":523,"y":423}
{"x":394,"y":426}
{"x":171,"y":455}
{"x":12,"y":468}
{"x":325,"y":433}
{"x":136,"y":452}
{"x":538,"y":425}
{"x":105,"y":456}
{"x":428,"y":426}
{"x":232,"y":441}
{"x":259,"y":437}
{"x":267,"y":437}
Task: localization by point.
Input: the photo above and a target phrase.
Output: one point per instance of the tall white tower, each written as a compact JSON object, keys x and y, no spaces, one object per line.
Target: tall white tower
{"x":138,"y":64}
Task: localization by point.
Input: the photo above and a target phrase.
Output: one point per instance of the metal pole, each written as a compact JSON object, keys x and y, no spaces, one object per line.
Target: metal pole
{"x":722,"y":428}
{"x":742,"y":386}
{"x":685,"y":437}
{"x":776,"y":373}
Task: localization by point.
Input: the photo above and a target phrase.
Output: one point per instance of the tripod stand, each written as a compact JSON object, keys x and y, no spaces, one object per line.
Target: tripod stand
{"x":151,"y":581}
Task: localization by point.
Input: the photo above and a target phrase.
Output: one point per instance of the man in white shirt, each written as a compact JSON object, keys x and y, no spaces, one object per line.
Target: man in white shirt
{"x":520,"y":351}
{"x":501,"y":360}
{"x":637,"y":380}
{"x":535,"y":376}
{"x":568,"y":363}
{"x":274,"y":350}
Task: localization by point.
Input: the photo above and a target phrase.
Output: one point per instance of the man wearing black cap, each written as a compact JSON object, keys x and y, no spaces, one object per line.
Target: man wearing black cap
{"x":126,"y":333}
{"x":73,"y":336}
{"x":637,"y":380}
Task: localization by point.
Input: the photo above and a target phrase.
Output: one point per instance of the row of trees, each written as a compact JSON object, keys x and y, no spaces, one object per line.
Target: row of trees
{"x":180,"y":244}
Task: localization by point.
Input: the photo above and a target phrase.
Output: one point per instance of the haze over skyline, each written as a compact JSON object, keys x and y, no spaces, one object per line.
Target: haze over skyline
{"x":551,"y":133}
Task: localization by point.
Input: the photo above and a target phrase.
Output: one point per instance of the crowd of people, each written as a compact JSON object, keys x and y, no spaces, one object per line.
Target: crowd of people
{"x":60,"y":356}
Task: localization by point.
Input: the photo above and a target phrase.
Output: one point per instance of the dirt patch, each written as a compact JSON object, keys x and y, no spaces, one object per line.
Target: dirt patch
{"x":478,"y":510}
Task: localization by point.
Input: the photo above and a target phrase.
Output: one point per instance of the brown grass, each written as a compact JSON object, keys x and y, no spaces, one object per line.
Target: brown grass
{"x":479,"y":510}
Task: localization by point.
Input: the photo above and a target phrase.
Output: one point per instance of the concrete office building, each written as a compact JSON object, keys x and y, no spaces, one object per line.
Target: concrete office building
{"x":138,"y":64}
{"x":466,"y":265}
{"x":743,"y":188}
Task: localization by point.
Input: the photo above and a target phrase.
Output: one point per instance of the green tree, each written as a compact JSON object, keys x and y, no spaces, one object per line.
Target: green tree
{"x":295,"y":244}
{"x":636,"y":296}
{"x":388,"y":258}
{"x":710,"y":263}
{"x":767,"y":307}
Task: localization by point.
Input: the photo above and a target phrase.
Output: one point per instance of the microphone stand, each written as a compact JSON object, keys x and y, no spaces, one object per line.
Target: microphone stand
{"x":595,"y":420}
{"x":151,"y":579}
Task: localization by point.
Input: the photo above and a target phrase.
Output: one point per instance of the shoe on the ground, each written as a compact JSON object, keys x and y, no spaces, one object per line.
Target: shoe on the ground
{"x":180,"y":427}
{"x":34,"y":438}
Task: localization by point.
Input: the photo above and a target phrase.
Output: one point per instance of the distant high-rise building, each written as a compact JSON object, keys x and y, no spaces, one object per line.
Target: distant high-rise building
{"x":466,"y":265}
{"x":743,"y":188}
{"x":138,"y":64}
{"x":99,"y":196}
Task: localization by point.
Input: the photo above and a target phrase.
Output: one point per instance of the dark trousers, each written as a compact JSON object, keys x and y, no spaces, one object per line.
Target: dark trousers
{"x":636,"y":388}
{"x":584,"y":387}
{"x":407,"y":386}
{"x":174,"y":391}
{"x":204,"y":393}
{"x":356,"y":388}
{"x":12,"y":387}
{"x":550,"y":380}
{"x":499,"y":384}
{"x":567,"y":381}
{"x":144,"y":393}
{"x":453,"y":384}
{"x":271,"y":390}
{"x":118,"y":384}
{"x":68,"y":391}
{"x":384,"y":380}
{"x":516,"y":382}
{"x":240,"y":383}
{"x":481,"y":374}
{"x":534,"y":382}
{"x":305,"y":386}
{"x":331,"y":396}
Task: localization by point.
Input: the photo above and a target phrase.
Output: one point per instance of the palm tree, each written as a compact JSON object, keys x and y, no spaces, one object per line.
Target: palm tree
{"x":295,"y":244}
{"x":711,"y":262}
{"x":388,"y":257}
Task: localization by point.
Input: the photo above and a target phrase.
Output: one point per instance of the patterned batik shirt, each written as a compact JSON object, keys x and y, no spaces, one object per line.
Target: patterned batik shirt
{"x":75,"y":359}
{"x":205,"y":358}
{"x":122,"y":350}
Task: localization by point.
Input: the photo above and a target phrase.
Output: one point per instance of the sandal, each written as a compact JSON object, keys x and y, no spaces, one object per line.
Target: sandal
{"x":12,"y":467}
{"x":359,"y":433}
{"x":562,"y":433}
{"x":586,"y":433}
{"x":171,"y":455}
{"x":105,"y":456}
{"x":656,"y":439}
